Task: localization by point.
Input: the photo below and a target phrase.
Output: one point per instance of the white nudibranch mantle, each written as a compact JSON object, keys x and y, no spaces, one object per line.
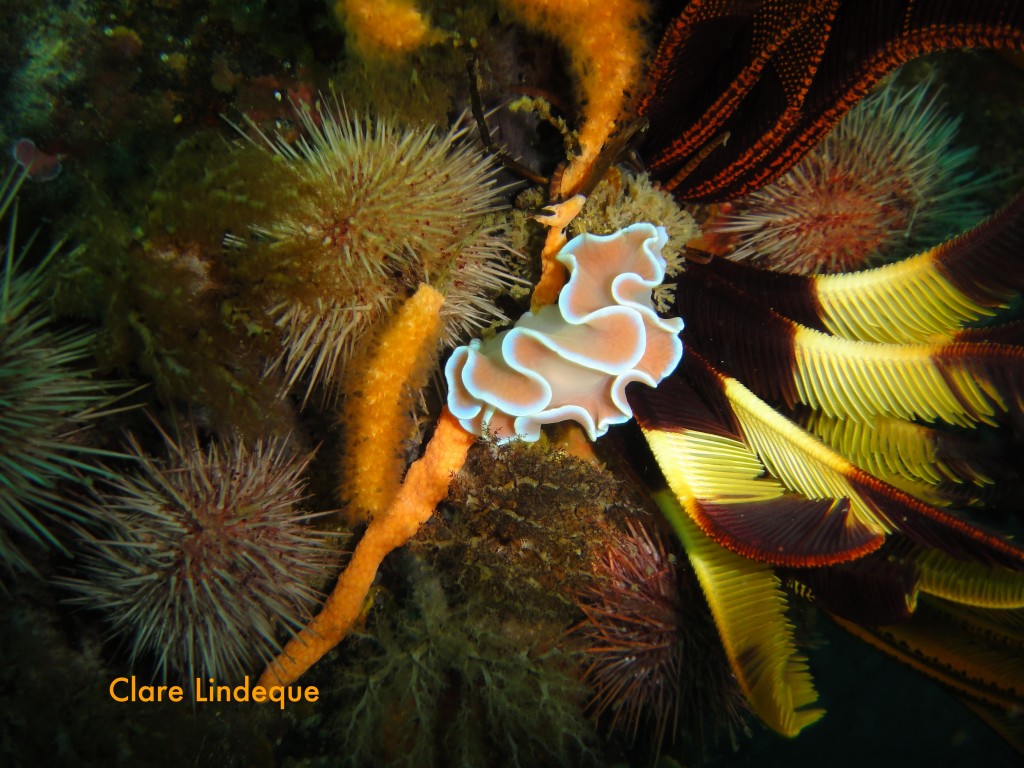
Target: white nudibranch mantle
{"x":573,"y":360}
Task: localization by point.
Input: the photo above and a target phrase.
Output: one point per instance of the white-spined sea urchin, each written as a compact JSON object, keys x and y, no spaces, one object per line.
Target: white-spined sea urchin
{"x":208,"y":555}
{"x":374,"y":210}
{"x":46,"y":398}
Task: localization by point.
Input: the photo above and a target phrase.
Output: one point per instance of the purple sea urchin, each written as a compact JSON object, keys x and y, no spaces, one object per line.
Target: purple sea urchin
{"x":632,"y":634}
{"x":208,"y":555}
{"x":373,"y":211}
{"x":46,"y":399}
{"x":653,"y":663}
{"x":887,"y":180}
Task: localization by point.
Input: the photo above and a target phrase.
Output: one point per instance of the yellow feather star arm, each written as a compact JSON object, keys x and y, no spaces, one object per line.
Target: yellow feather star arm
{"x":714,"y":467}
{"x":748,"y":606}
{"x":862,"y":380}
{"x":968,"y":583}
{"x":929,"y":296}
{"x":907,"y":302}
{"x":801,"y":461}
{"x":726,"y":491}
{"x":900,"y":452}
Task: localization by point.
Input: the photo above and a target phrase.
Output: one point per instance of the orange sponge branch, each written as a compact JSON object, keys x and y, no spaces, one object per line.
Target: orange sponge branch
{"x":385,"y":28}
{"x":426,"y":484}
{"x":377,"y":407}
{"x":607,"y":49}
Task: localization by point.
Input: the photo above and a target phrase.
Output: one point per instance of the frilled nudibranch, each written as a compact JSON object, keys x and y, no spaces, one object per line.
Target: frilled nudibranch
{"x":573,"y":360}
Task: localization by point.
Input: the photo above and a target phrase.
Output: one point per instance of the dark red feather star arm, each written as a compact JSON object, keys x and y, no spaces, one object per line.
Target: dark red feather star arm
{"x":777,"y":75}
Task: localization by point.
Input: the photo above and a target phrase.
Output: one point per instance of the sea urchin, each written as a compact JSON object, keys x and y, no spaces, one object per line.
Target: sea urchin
{"x":46,"y":399}
{"x":372,"y":211}
{"x":632,"y":632}
{"x":208,"y":555}
{"x":649,"y":639}
{"x":887,"y":180}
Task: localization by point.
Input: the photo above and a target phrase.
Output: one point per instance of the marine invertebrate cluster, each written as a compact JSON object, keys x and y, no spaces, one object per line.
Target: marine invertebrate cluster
{"x":756,"y":501}
{"x":573,"y":361}
{"x":48,"y":397}
{"x":610,"y":293}
{"x":846,"y":523}
{"x":887,"y":180}
{"x":207,"y":557}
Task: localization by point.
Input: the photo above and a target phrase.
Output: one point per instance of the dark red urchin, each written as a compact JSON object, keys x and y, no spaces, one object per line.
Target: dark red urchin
{"x":647,"y":633}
